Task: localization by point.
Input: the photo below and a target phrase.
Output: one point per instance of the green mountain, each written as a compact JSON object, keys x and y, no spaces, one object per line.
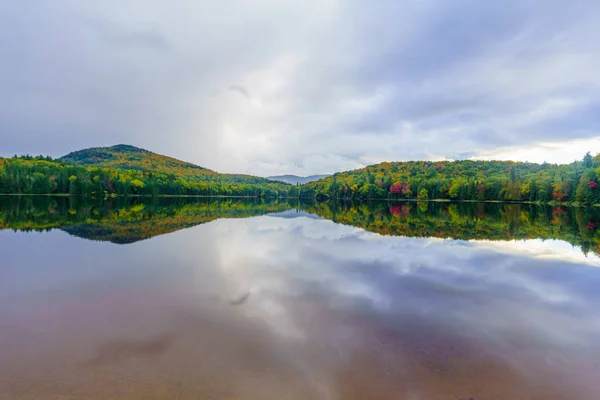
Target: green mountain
{"x":127,"y":157}
{"x":126,"y":170}
{"x":576,"y":182}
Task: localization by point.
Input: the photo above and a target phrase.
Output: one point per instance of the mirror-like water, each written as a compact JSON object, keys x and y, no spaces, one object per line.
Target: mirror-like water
{"x":231,"y":299}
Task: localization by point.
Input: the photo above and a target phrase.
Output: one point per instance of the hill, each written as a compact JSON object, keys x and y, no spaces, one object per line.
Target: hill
{"x":126,"y":170}
{"x":127,"y":157}
{"x":295,"y":179}
{"x":465,"y":180}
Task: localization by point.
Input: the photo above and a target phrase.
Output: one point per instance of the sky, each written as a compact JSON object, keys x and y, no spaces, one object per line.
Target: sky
{"x":302,"y":87}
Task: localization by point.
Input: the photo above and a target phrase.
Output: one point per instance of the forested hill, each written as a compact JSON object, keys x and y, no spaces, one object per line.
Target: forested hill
{"x":465,"y":180}
{"x":125,"y":170}
{"x":124,"y":156}
{"x":127,"y":157}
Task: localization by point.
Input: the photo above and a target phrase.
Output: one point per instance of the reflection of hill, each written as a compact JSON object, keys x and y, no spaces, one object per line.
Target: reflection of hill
{"x":123,"y":220}
{"x":126,"y":232}
{"x":468,"y":221}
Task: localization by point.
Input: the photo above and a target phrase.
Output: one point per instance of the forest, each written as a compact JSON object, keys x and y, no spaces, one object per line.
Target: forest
{"x":126,"y":170}
{"x":574,"y":183}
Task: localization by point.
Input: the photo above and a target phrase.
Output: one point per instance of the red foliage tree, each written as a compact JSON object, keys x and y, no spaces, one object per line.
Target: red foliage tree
{"x":400,"y":211}
{"x":559,"y":196}
{"x":400,"y":188}
{"x":591,"y":225}
{"x":405,"y":211}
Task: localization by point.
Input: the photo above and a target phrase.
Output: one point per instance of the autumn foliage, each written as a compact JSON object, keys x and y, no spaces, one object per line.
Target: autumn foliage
{"x":465,"y":180}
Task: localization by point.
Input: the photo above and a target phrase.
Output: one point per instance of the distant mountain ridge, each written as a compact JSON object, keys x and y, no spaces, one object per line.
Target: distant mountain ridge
{"x":295,"y":179}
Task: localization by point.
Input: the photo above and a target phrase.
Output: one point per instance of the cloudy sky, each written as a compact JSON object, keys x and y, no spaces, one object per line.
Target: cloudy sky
{"x":311,"y":86}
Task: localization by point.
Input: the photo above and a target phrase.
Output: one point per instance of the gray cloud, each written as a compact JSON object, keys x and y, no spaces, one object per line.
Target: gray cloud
{"x":240,"y":89}
{"x":334,"y":84}
{"x":116,"y":35}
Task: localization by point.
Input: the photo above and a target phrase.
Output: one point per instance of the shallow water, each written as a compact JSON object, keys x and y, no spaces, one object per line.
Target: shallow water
{"x":181,"y":299}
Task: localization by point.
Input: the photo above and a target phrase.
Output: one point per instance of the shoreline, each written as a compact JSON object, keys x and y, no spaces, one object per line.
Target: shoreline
{"x":114,"y":196}
{"x":147,"y":196}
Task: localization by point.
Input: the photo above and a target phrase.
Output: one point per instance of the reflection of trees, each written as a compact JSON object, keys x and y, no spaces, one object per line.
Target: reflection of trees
{"x":122,"y":220}
{"x":487,"y":221}
{"x":127,"y":220}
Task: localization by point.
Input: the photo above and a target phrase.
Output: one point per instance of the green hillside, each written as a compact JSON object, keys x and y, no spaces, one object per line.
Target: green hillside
{"x":130,"y":157}
{"x":127,"y":157}
{"x":126,"y":170}
{"x":465,"y":180}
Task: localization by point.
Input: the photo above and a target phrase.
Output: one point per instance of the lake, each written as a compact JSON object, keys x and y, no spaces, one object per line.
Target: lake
{"x":176,"y":298}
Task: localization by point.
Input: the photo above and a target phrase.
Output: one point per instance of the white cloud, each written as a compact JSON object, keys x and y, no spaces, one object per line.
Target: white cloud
{"x":553,"y":152}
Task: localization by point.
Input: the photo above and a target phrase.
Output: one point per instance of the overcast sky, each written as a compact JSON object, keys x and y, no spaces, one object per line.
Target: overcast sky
{"x":309,"y":86}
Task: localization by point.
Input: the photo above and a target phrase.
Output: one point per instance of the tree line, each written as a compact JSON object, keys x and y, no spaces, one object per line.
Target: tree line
{"x":43,"y":175}
{"x":575,"y":183}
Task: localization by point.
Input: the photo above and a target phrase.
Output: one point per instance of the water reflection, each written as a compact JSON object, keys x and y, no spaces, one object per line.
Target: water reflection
{"x":288,"y":305}
{"x":123,"y":220}
{"x":128,"y":220}
{"x":469,"y":221}
{"x":117,"y":351}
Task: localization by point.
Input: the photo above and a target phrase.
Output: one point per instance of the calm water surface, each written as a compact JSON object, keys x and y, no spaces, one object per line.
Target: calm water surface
{"x":245,"y":300}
